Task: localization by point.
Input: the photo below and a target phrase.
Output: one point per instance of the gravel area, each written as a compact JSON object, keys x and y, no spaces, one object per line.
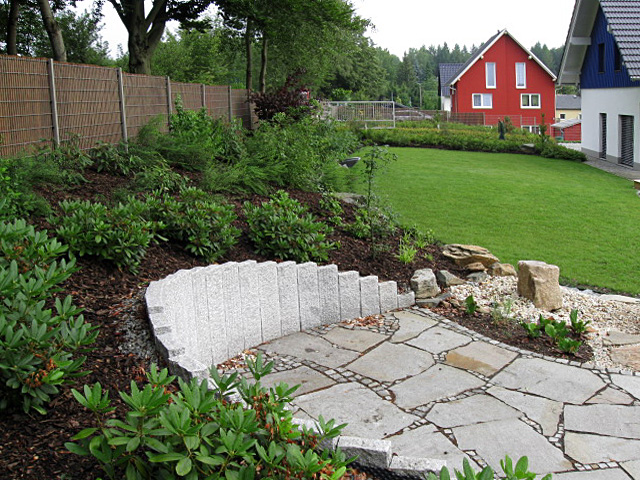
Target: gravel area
{"x":605,"y":312}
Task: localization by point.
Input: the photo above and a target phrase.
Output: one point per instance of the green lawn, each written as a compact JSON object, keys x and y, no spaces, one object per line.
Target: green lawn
{"x":523,"y":207}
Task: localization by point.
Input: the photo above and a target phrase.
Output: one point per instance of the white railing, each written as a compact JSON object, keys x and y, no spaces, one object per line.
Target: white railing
{"x":382,"y":114}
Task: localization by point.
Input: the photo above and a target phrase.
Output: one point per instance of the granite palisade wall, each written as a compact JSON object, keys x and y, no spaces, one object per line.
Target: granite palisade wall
{"x":206,"y":315}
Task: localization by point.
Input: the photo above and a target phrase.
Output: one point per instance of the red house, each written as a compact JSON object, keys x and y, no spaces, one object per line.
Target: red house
{"x":503,"y":78}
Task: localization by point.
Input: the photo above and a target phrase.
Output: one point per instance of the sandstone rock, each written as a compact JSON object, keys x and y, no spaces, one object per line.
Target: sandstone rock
{"x":476,"y":267}
{"x":447,"y":279}
{"x":628,"y":356}
{"x":539,"y":282}
{"x":463,"y":255}
{"x":424,"y":284}
{"x":502,"y":270}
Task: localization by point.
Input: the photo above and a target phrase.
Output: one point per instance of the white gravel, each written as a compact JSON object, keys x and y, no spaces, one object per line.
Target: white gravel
{"x":604,"y":313}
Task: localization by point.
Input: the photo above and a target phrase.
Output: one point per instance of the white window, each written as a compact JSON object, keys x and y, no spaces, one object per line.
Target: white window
{"x":532,"y":129}
{"x":521,"y":75}
{"x":490,"y":68}
{"x":530,"y":100}
{"x":482,"y":100}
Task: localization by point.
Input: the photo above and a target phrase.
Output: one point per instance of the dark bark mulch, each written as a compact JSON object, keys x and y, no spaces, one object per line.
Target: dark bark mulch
{"x":32,"y":446}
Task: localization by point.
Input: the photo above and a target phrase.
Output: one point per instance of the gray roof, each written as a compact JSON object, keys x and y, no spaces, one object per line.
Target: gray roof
{"x":568,"y":102}
{"x":623,"y":18}
{"x":567,"y":123}
{"x":445,"y":72}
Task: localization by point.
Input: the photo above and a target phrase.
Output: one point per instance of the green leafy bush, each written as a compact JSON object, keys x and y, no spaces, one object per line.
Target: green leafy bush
{"x":159,"y":178}
{"x":119,"y":234}
{"x":39,"y":346}
{"x":115,"y":160}
{"x":195,"y":220}
{"x":282,"y":228}
{"x":549,"y":149}
{"x":519,"y":472}
{"x":197,"y":433}
{"x":67,"y":160}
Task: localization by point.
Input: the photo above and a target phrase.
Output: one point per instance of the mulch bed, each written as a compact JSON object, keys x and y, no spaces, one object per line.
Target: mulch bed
{"x":32,"y":446}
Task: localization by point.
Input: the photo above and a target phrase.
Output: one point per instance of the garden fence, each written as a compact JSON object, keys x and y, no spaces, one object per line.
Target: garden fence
{"x":43,"y":102}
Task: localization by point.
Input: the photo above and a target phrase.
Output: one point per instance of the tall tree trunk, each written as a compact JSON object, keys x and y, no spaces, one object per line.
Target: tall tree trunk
{"x":248,"y":44}
{"x":53,"y":31}
{"x":263,"y":66}
{"x":12,"y":27}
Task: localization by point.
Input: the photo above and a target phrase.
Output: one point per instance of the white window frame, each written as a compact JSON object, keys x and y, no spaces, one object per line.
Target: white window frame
{"x":531,"y":128}
{"x":524,"y":74}
{"x":486,"y":74}
{"x":522,"y":95}
{"x":483,"y":97}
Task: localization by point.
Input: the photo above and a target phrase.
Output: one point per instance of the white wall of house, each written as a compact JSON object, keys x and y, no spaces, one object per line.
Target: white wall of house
{"x":446,"y":104}
{"x":614,"y":102}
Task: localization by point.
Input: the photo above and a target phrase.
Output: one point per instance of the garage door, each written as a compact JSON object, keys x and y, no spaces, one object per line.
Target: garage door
{"x":626,"y":140}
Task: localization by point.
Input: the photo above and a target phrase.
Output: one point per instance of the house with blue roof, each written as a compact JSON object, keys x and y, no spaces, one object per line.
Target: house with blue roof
{"x":602,"y":57}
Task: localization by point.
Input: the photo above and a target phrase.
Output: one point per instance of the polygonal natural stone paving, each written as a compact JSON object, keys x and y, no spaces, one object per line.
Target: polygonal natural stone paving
{"x":437,"y":390}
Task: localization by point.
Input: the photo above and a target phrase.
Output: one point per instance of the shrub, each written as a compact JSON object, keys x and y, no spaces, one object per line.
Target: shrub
{"x":38,"y":348}
{"x":159,"y":178}
{"x":197,"y":433}
{"x":194,"y":219}
{"x":520,"y":471}
{"x":282,"y":228}
{"x":68,"y":160}
{"x":549,"y":149}
{"x":119,"y":234}
{"x":112,"y":159}
{"x":291,"y":99}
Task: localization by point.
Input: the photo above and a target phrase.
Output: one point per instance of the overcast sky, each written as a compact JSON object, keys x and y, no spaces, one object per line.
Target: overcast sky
{"x":404,"y":24}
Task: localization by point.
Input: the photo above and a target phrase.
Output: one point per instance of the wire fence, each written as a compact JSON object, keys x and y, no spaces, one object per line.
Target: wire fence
{"x":43,"y":102}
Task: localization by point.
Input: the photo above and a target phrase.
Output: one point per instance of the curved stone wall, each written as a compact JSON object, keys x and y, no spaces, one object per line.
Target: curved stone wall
{"x":206,"y":315}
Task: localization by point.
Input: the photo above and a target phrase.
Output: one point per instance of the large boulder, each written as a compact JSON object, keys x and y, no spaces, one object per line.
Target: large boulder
{"x":424,"y":283}
{"x":539,"y":282}
{"x":464,"y":255}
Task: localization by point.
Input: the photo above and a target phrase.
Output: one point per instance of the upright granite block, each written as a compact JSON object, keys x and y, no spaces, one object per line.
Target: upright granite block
{"x":218,"y":336}
{"x":406,"y":300}
{"x":232,"y":308}
{"x":201,"y":333}
{"x":250,"y":303}
{"x":370,"y":452}
{"x":183,"y":311}
{"x":328,"y":291}
{"x":308,"y":295}
{"x":388,"y":292}
{"x":288,"y":294}
{"x":349,"y":289}
{"x":369,"y":297}
{"x":269,"y":301}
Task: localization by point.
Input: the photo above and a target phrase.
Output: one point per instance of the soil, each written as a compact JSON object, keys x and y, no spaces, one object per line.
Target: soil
{"x":32,"y":445}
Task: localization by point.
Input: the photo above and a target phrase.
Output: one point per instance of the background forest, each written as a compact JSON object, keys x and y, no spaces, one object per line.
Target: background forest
{"x":254,"y":43}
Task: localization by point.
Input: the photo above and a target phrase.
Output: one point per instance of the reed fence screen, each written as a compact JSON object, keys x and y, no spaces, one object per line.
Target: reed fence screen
{"x":43,"y":102}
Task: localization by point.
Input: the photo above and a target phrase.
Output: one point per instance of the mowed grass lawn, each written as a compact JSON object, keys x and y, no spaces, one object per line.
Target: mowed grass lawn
{"x":523,"y":207}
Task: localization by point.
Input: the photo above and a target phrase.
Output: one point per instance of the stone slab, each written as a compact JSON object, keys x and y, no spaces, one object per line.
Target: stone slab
{"x":467,"y":411}
{"x":632,"y":468}
{"x":410,"y":326}
{"x":439,"y":381}
{"x":370,"y":452}
{"x":356,"y":340}
{"x":437,"y":340}
{"x":481,"y":357}
{"x":615,"y":337}
{"x":406,"y":300}
{"x":311,"y":347}
{"x":368,"y":415}
{"x":202,"y":331}
{"x":369,"y":296}
{"x":250,"y":306}
{"x":611,"y":396}
{"x":608,"y":474}
{"x":415,"y":467}
{"x":514,"y":438}
{"x":308,"y":295}
{"x":288,"y":296}
{"x":543,"y":411}
{"x":611,"y":420}
{"x":390,"y":362}
{"x":269,"y":301}
{"x":218,"y":338}
{"x":551,"y":380}
{"x":308,"y":379}
{"x":427,"y":442}
{"x":589,"y":448}
{"x":388,"y":294}
{"x":628,"y":355}
{"x":349,"y":287}
{"x":630,"y":383}
{"x":182,"y":311}
{"x":232,"y":308}
{"x":329,"y":294}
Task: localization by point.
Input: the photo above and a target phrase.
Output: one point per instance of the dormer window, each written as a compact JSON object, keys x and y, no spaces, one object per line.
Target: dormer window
{"x":490,"y":68}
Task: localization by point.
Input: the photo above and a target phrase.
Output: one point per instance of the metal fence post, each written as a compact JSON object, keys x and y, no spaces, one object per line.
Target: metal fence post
{"x":230,"y":98}
{"x":123,"y":111}
{"x":203,"y":96}
{"x":169,"y":106}
{"x":54,"y":103}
